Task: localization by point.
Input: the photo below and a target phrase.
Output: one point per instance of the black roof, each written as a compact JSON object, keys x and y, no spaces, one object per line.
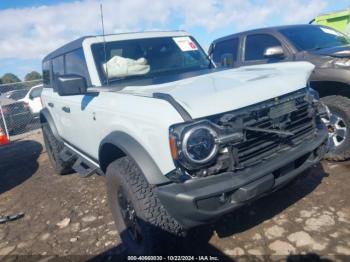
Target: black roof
{"x":66,"y":48}
{"x":263,"y":30}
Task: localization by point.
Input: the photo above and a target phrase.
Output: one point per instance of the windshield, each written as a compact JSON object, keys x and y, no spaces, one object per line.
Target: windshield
{"x":314,"y":37}
{"x":144,"y":58}
{"x":17,"y":95}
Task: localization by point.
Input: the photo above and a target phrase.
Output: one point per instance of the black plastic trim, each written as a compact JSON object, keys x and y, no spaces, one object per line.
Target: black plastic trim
{"x":183,"y":113}
{"x":130,"y":147}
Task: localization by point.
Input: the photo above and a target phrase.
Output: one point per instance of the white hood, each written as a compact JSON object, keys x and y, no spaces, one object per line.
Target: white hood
{"x":232,"y":89}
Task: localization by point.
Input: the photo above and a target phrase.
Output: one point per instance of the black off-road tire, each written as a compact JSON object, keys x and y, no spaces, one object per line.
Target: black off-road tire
{"x":340,"y":106}
{"x":158,"y":231}
{"x":53,"y":149}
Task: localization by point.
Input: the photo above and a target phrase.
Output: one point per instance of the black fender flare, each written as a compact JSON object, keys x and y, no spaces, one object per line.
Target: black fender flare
{"x":45,"y":116}
{"x":133,"y":149}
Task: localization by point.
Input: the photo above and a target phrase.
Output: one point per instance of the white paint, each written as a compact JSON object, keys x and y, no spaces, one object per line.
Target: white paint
{"x":232,"y":89}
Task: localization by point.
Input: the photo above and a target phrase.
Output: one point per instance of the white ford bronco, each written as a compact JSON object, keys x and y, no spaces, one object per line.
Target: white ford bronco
{"x":181,"y":142}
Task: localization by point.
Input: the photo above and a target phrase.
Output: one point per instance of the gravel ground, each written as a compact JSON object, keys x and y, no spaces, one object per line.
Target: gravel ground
{"x":68,"y":216}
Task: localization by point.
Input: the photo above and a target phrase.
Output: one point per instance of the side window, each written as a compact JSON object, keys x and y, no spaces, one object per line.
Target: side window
{"x":75,"y":64}
{"x":225,"y":47}
{"x":57,"y":69}
{"x":36,"y":92}
{"x":46,"y":74}
{"x":256,"y":45}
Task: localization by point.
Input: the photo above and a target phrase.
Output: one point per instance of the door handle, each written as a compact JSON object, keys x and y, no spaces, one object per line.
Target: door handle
{"x":66,"y":109}
{"x":50,"y":104}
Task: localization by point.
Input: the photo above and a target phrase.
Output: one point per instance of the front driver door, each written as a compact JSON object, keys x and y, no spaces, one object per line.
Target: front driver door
{"x":255,"y":46}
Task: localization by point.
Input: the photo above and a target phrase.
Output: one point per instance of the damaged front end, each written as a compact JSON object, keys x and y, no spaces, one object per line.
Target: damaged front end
{"x":235,"y":141}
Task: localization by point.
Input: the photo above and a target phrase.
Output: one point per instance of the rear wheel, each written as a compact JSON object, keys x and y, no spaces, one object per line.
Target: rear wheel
{"x":144,"y":225}
{"x":53,"y":149}
{"x":338,"y":124}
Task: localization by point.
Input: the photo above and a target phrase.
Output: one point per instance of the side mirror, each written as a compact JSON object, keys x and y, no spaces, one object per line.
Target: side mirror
{"x":227,"y":60}
{"x":274,"y":52}
{"x":69,"y":85}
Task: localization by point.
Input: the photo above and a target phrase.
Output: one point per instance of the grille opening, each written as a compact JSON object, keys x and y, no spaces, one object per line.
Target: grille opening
{"x":260,"y":146}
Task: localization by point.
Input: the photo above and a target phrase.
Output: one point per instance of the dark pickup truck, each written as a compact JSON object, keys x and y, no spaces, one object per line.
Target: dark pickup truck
{"x":326,"y":48}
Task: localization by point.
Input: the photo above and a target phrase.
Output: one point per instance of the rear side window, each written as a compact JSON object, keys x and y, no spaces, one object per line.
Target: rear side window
{"x":75,"y":64}
{"x":57,"y":69}
{"x":46,"y":74}
{"x":229,"y":46}
{"x":256,"y":45}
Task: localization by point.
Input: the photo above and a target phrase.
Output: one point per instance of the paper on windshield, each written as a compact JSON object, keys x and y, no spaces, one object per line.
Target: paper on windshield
{"x":119,"y":66}
{"x":185,"y":43}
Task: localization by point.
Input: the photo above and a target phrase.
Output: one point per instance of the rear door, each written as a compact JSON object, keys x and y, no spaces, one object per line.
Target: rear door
{"x":49,"y":96}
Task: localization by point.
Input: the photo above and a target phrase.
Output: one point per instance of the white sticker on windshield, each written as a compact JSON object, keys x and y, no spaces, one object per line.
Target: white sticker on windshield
{"x":330,"y":31}
{"x":185,"y":43}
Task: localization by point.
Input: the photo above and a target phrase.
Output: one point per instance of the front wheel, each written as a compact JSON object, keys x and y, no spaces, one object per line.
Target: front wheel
{"x":338,"y":124}
{"x":144,"y":225}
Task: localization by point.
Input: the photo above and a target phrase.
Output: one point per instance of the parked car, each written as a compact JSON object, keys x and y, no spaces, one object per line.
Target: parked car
{"x":16,"y":115}
{"x":32,"y":98}
{"x":327,"y":49}
{"x":181,"y":143}
{"x":15,"y":94}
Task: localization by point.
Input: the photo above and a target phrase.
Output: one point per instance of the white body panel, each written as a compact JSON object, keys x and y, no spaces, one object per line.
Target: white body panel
{"x":145,"y":119}
{"x":227,"y":90}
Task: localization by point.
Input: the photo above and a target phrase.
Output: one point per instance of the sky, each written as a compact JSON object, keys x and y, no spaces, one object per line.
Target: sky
{"x":30,"y":29}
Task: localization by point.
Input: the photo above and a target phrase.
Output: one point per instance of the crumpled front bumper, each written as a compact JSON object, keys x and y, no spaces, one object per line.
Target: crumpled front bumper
{"x":203,"y":200}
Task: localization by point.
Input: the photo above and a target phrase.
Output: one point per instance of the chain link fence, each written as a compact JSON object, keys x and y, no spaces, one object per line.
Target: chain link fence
{"x":20,"y":106}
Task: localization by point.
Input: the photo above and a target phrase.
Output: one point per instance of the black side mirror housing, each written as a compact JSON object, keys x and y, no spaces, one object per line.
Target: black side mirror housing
{"x":69,"y":85}
{"x":227,"y":60}
{"x":274,"y":52}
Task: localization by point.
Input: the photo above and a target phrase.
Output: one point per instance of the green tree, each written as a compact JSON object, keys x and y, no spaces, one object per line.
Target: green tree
{"x":10,"y":78}
{"x":34,"y":75}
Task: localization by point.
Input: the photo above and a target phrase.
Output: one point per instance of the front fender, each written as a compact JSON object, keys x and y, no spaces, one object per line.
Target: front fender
{"x":132,"y":148}
{"x":331,"y":74}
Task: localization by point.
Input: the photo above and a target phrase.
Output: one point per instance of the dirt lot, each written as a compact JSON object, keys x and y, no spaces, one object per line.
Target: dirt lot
{"x":68,"y":215}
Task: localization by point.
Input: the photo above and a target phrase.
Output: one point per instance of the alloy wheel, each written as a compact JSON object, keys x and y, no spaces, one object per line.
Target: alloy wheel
{"x":337,"y":130}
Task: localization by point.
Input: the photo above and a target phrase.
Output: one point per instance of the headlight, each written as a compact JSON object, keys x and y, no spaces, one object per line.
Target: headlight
{"x":194,"y":145}
{"x":199,"y":144}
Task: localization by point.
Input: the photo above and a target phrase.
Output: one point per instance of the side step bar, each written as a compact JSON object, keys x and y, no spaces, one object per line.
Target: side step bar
{"x":84,"y":168}
{"x":67,"y":155}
